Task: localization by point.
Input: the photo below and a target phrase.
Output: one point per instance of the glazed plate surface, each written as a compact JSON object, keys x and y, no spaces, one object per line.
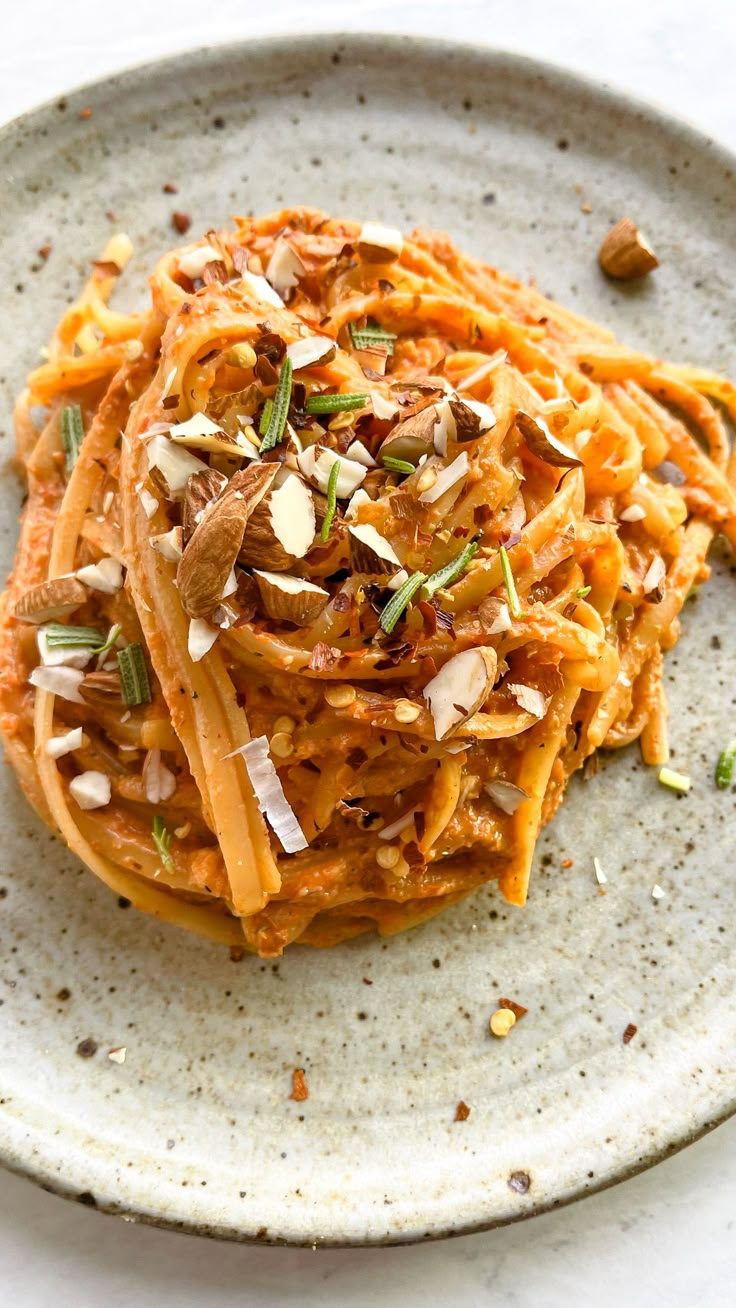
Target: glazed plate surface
{"x":196,"y":1129}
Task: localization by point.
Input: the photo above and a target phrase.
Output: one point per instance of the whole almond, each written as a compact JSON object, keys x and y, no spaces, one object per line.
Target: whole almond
{"x":101,"y":688}
{"x":51,"y":599}
{"x":624,"y":253}
{"x":211,"y":553}
{"x":203,"y":488}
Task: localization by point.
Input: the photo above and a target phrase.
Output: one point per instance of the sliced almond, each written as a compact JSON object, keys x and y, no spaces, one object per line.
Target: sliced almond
{"x":359,"y":497}
{"x":544,"y":445}
{"x":290,"y":599}
{"x":106,"y":575}
{"x":311,"y":352}
{"x":202,"y":489}
{"x":374,"y":358}
{"x":316,"y":464}
{"x":282,"y":527}
{"x":64,"y":682}
{"x":494,"y":615}
{"x":379,"y":244}
{"x":50,"y":600}
{"x":200,"y":639}
{"x":371,"y":554}
{"x":461,"y":420}
{"x":193,"y":262}
{"x":506,"y":795}
{"x":91,"y":789}
{"x":200,"y":433}
{"x":285,"y":267}
{"x":102,"y":688}
{"x":625,"y":254}
{"x":447,"y":478}
{"x":529,"y":698}
{"x":459,"y":688}
{"x":205,"y":565}
{"x":173,"y":464}
{"x":262,"y":289}
{"x":413,"y":437}
{"x":357,"y":451}
{"x":169,"y":544}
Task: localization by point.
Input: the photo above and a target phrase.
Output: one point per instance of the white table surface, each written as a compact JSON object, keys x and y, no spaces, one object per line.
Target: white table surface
{"x":666,"y":1238}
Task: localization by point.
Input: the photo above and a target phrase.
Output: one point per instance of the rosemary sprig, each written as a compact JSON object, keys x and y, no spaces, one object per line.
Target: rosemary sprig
{"x":134,"y":675}
{"x":510,"y":584}
{"x":72,"y":433}
{"x":162,"y":840}
{"x":331,"y":501}
{"x":281,"y":400}
{"x":335,"y":403}
{"x":399,"y":600}
{"x":451,"y":571}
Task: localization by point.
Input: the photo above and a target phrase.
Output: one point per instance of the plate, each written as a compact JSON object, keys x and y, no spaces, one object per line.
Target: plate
{"x":196,"y":1129}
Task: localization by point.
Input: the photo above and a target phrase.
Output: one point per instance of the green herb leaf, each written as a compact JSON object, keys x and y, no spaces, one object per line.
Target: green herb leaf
{"x":510,"y":584}
{"x":72,"y":433}
{"x":162,"y":840}
{"x":451,"y":571}
{"x":111,"y":640}
{"x":399,"y":600}
{"x":725,"y":767}
{"x":59,"y":636}
{"x":265,"y":417}
{"x":335,"y":403}
{"x":331,"y":501}
{"x":397,"y":465}
{"x":674,"y":780}
{"x":281,"y":400}
{"x":134,"y":675}
{"x":370,"y":337}
{"x":584,"y":590}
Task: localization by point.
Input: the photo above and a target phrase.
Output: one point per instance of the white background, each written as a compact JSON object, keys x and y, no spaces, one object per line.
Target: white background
{"x":666,"y":1238}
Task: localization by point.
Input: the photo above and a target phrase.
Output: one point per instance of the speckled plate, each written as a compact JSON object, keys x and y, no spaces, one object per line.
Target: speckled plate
{"x":196,"y":1130}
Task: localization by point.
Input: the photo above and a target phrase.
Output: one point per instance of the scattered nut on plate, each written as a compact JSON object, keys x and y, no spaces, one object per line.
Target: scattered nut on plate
{"x":625,"y":254}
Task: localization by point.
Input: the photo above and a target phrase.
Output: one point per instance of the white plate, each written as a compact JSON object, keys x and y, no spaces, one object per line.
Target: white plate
{"x":196,"y":1130}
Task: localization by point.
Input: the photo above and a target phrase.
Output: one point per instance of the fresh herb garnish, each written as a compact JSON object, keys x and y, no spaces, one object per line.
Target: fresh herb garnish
{"x":510,"y":584}
{"x":451,"y":571}
{"x":162,"y":840}
{"x":72,"y":433}
{"x":265,"y":418}
{"x":335,"y":403}
{"x":134,"y":675}
{"x":331,"y":501}
{"x":371,"y":337}
{"x":397,"y":465}
{"x":399,"y":600}
{"x":725,"y":766}
{"x":59,"y":636}
{"x":584,"y":590}
{"x":281,"y":400}
{"x":674,"y":780}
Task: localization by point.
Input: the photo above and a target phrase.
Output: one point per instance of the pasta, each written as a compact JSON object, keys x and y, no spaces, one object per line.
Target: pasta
{"x":337,"y":561}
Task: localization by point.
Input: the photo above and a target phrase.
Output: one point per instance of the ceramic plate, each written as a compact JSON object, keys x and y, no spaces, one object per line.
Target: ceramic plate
{"x":196,"y":1129}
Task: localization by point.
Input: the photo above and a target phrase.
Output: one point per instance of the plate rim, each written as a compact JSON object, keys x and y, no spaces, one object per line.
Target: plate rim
{"x":35,"y":1167}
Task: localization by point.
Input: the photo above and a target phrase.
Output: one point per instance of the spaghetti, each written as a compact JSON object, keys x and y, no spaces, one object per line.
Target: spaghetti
{"x":336,"y":563}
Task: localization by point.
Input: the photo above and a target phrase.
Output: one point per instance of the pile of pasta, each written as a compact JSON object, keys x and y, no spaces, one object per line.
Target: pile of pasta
{"x":336,"y":562}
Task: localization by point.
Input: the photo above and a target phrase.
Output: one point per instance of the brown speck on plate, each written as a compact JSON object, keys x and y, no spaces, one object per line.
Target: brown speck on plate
{"x":87,"y":1048}
{"x":519,"y":1182}
{"x":629,"y":1033}
{"x":299,"y":1089}
{"x":462,"y":1112}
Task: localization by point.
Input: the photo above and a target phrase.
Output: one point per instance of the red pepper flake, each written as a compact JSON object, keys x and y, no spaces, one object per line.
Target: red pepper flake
{"x":462,"y":1112}
{"x":215,"y":271}
{"x":299,"y":1090}
{"x":181,"y":221}
{"x":629,"y":1033}
{"x":367,"y":981}
{"x":111,"y":215}
{"x":567,"y":862}
{"x":44,"y":252}
{"x":171,"y":402}
{"x":170,"y":188}
{"x":356,"y":758}
{"x":86,"y":112}
{"x":518,"y":1010}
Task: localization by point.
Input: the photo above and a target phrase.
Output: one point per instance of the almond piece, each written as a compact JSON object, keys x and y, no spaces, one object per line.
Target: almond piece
{"x":210,"y":555}
{"x":102,"y":688}
{"x":541,"y":442}
{"x":282,"y":527}
{"x":200,"y":433}
{"x":290,"y":599}
{"x":379,"y":244}
{"x":202,"y":489}
{"x":311,"y":351}
{"x":285,"y":267}
{"x":459,"y":688}
{"x":412,"y":438}
{"x":51,"y":599}
{"x":371,"y":554}
{"x":624,"y":253}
